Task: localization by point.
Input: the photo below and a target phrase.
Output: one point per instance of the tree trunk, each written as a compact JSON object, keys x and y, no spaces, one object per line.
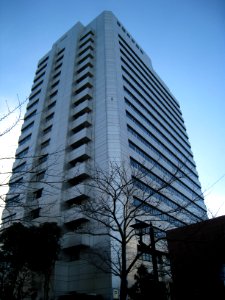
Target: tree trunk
{"x":123,"y":284}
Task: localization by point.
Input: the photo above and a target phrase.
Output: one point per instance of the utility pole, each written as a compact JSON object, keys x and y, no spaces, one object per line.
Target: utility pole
{"x":153,"y":253}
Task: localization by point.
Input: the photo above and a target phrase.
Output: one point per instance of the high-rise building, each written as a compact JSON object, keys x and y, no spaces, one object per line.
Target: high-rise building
{"x":96,"y":99}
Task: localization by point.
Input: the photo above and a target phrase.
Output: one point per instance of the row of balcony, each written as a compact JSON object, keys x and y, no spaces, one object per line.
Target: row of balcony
{"x":73,"y":239}
{"x":79,"y":142}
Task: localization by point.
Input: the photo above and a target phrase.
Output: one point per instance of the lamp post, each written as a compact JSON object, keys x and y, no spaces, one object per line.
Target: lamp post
{"x":150,"y":249}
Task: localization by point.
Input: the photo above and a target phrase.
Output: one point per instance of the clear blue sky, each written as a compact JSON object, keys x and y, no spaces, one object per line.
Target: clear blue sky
{"x":184,"y":38}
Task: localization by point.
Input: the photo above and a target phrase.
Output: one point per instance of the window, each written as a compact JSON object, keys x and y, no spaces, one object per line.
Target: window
{"x":13,"y":201}
{"x":89,"y":64}
{"x":60,"y":58}
{"x":37,"y":194}
{"x":87,"y":34}
{"x":86,"y":85}
{"x":22,"y":153}
{"x":9,"y":218}
{"x":43,"y":158}
{"x":89,"y":55}
{"x":49,"y":117}
{"x":35,"y":213}
{"x":16,"y":183}
{"x":45,"y":144}
{"x":55,"y":84}
{"x":57,"y":67}
{"x":23,"y":141}
{"x":42,"y":62}
{"x":52,"y":105}
{"x":37,"y":85}
{"x":34,"y":95}
{"x":53,"y":94}
{"x":30,"y":115}
{"x":146,"y":257}
{"x":56,"y":75}
{"x":86,"y":75}
{"x":47,"y":130}
{"x":27,"y":127}
{"x":33,"y":104}
{"x":87,"y":41}
{"x":86,"y":49}
{"x":40,"y":175}
{"x":19,"y":168}
{"x":61,"y":51}
{"x":36,"y":79}
{"x":41,"y":69}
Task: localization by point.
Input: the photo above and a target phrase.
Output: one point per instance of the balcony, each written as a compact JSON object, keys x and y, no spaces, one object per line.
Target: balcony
{"x":79,"y":172}
{"x":89,"y":52}
{"x":75,"y":194}
{"x":81,"y":86}
{"x":76,"y":240}
{"x":74,"y":214}
{"x":84,"y":95}
{"x":81,"y":137}
{"x":81,"y":122}
{"x":87,"y":70}
{"x":88,"y":62}
{"x":82,"y":107}
{"x":86,"y":43}
{"x":80,"y":154}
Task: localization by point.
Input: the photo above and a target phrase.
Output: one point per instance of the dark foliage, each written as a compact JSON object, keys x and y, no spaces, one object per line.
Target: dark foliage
{"x":25,"y":253}
{"x":145,"y":287}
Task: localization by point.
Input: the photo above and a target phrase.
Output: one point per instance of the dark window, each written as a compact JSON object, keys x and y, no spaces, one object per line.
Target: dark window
{"x":19,"y":168}
{"x":56,"y":75}
{"x":22,"y":153}
{"x":57,"y":67}
{"x":23,"y":141}
{"x":53,"y":94}
{"x":33,"y":104}
{"x":37,"y":85}
{"x":38,"y":193}
{"x":86,"y":49}
{"x":42,"y":74}
{"x":52,"y":105}
{"x":41,"y":69}
{"x":16,"y":183}
{"x":87,"y":41}
{"x":9,"y":218}
{"x":55,"y":84}
{"x":40,"y":176}
{"x":49,"y":117}
{"x":60,"y":51}
{"x":45,"y":144}
{"x":42,"y":62}
{"x":34,"y":95}
{"x":35,"y":213}
{"x":86,"y":85}
{"x":89,"y":64}
{"x":30,"y":115}
{"x":47,"y":130}
{"x":27,"y":127}
{"x":87,"y":34}
{"x":43,"y":158}
{"x":13,"y":201}
{"x":60,"y":58}
{"x":89,"y":55}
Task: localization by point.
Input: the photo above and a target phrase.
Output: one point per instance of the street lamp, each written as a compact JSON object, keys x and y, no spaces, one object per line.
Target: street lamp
{"x":144,"y":248}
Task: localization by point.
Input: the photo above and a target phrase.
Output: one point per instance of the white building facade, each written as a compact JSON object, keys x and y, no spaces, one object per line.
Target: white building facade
{"x":96,"y":99}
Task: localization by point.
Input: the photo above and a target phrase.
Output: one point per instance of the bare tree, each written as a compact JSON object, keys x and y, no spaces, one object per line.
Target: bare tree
{"x":119,"y":199}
